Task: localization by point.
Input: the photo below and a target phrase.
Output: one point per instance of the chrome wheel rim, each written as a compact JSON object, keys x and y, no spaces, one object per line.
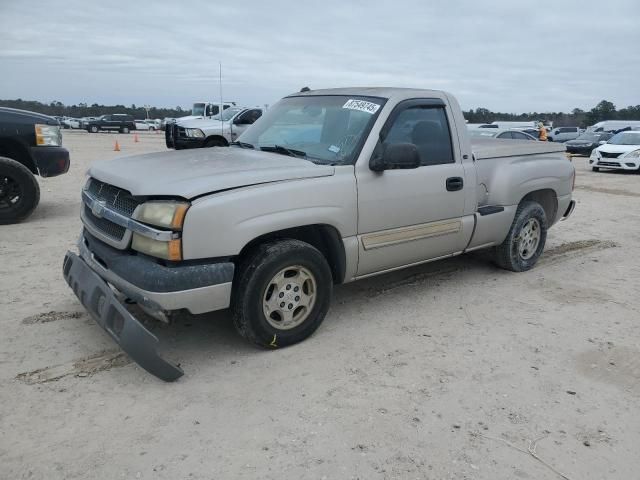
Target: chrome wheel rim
{"x":529,"y":239}
{"x":289,"y":297}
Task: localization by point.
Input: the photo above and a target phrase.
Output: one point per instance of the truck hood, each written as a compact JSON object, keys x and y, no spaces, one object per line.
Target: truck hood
{"x":610,"y":148}
{"x":191,"y":173}
{"x":27,"y":116}
{"x":186,"y":118}
{"x":203,"y":123}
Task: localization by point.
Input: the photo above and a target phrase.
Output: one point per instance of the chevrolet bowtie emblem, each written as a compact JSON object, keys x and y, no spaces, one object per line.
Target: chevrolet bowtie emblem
{"x":98,"y":208}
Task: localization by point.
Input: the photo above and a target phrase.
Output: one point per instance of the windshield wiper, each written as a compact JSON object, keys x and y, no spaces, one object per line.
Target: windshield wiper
{"x":242,"y":145}
{"x":285,"y":151}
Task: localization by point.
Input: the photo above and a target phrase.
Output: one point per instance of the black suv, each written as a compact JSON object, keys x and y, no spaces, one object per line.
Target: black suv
{"x":119,"y":122}
{"x":30,"y":144}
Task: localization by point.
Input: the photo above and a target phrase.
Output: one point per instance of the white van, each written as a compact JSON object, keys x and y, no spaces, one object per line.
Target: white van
{"x":613,"y":125}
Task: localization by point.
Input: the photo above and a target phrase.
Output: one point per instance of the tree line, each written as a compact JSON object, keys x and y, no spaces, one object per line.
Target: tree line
{"x":84,"y":110}
{"x":605,"y":110}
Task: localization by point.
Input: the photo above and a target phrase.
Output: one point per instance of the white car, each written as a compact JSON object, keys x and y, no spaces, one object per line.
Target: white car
{"x":145,"y":125}
{"x":71,"y":123}
{"x":563,"y":134}
{"x":620,"y":152}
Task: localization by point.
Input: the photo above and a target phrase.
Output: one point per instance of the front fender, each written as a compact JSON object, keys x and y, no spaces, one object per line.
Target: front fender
{"x":222,"y":224}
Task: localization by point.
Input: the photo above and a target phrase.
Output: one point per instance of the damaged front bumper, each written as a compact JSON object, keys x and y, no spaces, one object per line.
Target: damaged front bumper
{"x":101,"y":302}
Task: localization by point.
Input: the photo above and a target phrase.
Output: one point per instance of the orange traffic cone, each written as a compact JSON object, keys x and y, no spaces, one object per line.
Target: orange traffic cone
{"x":116,"y":147}
{"x":135,"y":138}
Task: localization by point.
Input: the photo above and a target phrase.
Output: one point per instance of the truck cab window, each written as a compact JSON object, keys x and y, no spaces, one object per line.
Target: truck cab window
{"x":427,"y":128}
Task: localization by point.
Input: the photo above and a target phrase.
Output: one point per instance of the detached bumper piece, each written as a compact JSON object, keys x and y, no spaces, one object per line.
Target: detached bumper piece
{"x":98,"y":298}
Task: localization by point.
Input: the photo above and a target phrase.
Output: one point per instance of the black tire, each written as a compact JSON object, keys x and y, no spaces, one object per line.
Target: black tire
{"x":253,"y":283}
{"x":153,"y":129}
{"x":595,"y":169}
{"x":549,"y":139}
{"x":19,"y":191}
{"x":124,"y":130}
{"x":214,"y":142}
{"x":508,"y":255}
{"x":93,"y":129}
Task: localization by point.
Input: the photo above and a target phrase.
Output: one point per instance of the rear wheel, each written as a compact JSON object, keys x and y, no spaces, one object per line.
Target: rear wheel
{"x":595,"y":169}
{"x":282,"y":293}
{"x":526,"y":238}
{"x":19,"y":191}
{"x":94,"y":129}
{"x":125,"y":130}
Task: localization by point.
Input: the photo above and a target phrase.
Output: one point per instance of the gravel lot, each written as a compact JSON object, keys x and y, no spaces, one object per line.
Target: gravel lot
{"x":451,"y":370}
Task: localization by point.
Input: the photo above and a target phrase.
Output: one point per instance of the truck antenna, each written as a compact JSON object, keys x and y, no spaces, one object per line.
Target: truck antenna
{"x":221,"y":102}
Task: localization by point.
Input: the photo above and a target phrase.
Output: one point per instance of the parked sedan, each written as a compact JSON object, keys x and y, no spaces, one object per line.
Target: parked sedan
{"x":502,"y":134}
{"x":70,"y":123}
{"x":621,"y":152}
{"x":585,"y":143}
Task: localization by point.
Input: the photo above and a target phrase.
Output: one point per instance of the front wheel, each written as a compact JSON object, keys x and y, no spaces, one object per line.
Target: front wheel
{"x":282,"y":293}
{"x":214,"y":142}
{"x":125,"y":130}
{"x":93,"y":129}
{"x":19,"y":191}
{"x":595,"y":169}
{"x":526,"y":238}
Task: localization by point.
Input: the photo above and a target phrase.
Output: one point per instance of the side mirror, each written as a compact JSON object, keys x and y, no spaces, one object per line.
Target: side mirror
{"x":395,"y":156}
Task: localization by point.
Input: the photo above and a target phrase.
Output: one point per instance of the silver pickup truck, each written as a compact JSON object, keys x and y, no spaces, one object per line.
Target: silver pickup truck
{"x":328,"y":187}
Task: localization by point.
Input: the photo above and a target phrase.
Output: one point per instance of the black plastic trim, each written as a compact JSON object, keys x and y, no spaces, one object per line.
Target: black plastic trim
{"x":50,"y":161}
{"x":127,"y":331}
{"x":489,"y":210}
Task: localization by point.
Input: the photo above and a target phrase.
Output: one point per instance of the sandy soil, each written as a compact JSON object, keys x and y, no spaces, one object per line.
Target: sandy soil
{"x":452,"y":370}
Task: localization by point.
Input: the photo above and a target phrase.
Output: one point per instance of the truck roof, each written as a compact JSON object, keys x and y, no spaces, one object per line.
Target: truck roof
{"x":381,"y":92}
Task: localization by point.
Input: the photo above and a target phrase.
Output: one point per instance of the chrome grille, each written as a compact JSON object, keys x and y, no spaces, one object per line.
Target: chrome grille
{"x":115,"y":198}
{"x":110,"y":229}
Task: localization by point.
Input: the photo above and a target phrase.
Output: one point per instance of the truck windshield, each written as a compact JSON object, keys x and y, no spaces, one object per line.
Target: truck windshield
{"x":198,"y":109}
{"x":328,"y":129}
{"x":625,"y":138}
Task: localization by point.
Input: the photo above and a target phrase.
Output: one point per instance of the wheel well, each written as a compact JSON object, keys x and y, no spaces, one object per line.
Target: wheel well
{"x":323,"y":237}
{"x":548,"y":201}
{"x":18,"y":152}
{"x":217,"y":137}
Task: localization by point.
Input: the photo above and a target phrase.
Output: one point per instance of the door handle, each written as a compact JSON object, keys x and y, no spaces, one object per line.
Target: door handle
{"x":454,"y":184}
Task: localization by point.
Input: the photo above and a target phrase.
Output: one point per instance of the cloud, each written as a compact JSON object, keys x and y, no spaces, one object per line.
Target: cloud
{"x":499,"y":55}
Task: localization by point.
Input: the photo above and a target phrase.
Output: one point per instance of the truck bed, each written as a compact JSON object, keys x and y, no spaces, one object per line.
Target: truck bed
{"x":485,"y":148}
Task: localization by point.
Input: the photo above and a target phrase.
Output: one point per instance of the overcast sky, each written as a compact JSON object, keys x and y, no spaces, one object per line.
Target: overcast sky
{"x":502,"y":55}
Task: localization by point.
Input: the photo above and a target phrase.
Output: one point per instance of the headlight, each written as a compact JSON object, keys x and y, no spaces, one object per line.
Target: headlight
{"x":167,"y":214}
{"x":634,"y":154}
{"x":194,"y":132}
{"x":48,"y":135}
{"x":171,"y":250}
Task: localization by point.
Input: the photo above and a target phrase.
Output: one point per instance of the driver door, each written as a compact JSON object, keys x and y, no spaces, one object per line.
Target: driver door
{"x":413,"y":215}
{"x":244,"y":120}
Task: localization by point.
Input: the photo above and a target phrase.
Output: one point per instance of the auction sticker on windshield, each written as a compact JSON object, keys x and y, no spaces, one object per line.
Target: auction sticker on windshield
{"x":363,"y":106}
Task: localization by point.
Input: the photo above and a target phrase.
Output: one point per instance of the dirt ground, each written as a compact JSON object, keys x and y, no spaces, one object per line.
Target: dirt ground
{"x":453,"y":370}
